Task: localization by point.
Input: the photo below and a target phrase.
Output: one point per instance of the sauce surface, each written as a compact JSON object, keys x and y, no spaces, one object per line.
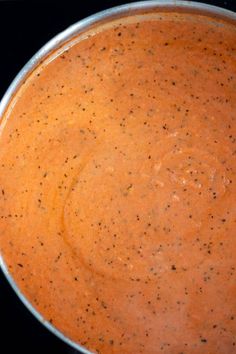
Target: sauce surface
{"x":117,"y":183}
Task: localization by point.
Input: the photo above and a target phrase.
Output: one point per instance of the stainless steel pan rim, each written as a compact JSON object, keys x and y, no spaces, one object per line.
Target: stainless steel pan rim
{"x":55,"y":43}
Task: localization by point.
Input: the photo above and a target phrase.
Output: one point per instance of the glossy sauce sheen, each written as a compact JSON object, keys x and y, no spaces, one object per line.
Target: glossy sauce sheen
{"x":117,"y":181}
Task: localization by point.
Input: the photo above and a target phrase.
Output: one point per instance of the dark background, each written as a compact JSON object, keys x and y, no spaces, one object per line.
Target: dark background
{"x":24,"y":28}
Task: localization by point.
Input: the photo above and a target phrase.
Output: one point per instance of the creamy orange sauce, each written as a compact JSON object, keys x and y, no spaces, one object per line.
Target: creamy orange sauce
{"x":117,"y":181}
